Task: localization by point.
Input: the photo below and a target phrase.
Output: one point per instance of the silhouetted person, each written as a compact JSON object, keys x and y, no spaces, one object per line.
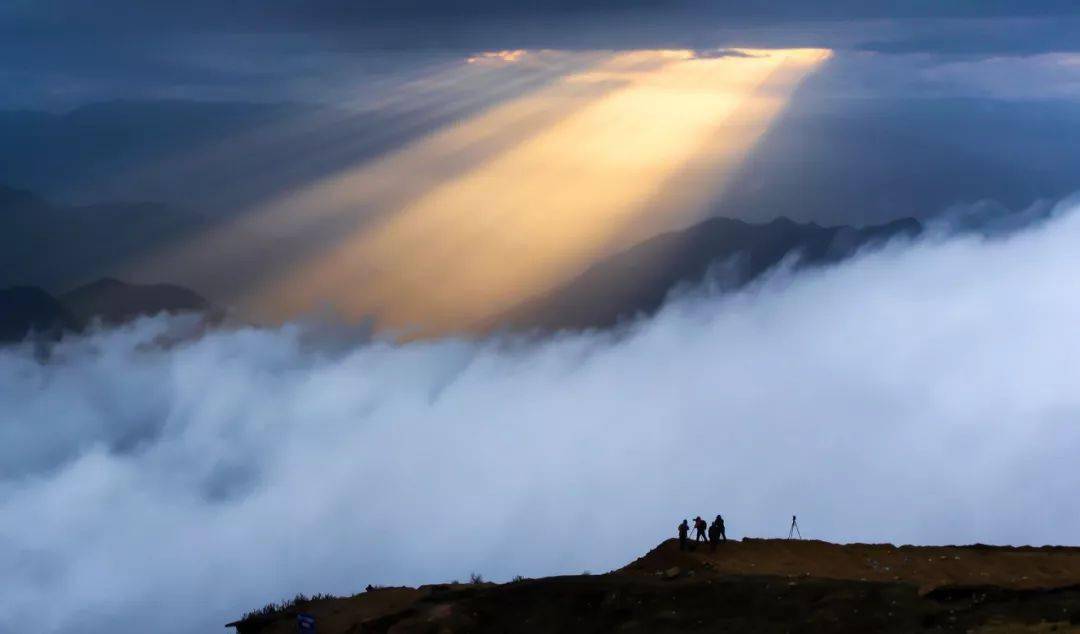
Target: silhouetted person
{"x":714,"y":536}
{"x":719,"y":522}
{"x":699,"y":530}
{"x":684,"y":530}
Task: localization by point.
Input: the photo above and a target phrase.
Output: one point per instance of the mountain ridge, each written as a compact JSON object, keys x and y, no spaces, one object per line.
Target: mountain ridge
{"x":637,"y":280}
{"x":30,"y":311}
{"x":116,"y":302}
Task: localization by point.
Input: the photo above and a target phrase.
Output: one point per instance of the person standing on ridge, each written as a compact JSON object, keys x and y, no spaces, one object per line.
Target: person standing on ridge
{"x":684,"y":530}
{"x":699,"y":530}
{"x":718,"y":523}
{"x":714,"y":535}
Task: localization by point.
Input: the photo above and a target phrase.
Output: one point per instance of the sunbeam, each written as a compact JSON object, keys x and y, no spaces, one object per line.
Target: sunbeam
{"x":534,"y":214}
{"x":472,"y":219}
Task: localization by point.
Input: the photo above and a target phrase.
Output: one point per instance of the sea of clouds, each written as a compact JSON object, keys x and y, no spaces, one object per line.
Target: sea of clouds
{"x":924,"y":392}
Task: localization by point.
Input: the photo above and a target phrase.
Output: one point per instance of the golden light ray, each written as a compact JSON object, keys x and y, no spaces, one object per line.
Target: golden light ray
{"x":311,"y":216}
{"x":535,"y":212}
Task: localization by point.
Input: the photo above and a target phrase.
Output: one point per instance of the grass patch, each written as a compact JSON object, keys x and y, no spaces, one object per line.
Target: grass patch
{"x":298,"y":602}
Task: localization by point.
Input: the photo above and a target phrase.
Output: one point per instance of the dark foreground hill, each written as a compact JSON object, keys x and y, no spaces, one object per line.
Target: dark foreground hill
{"x":747,"y":586}
{"x":724,"y":252}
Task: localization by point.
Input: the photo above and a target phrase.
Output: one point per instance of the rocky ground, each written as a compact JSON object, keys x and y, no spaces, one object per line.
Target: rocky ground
{"x":745,"y":586}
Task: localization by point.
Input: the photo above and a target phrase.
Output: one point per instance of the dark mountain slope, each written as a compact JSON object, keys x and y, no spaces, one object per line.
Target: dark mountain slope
{"x":26,"y":309}
{"x":727,"y":251}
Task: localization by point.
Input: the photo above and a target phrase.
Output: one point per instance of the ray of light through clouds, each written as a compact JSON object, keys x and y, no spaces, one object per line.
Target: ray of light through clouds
{"x":476,"y":217}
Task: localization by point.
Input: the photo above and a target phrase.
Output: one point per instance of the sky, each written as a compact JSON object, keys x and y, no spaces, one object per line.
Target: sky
{"x":362,"y":183}
{"x":434,"y":164}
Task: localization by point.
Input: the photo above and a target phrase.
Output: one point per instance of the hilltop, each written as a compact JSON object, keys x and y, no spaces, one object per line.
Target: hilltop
{"x":751,"y":585}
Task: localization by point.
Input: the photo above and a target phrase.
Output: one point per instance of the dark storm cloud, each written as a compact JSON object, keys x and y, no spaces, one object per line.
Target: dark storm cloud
{"x":337,"y":12}
{"x":468,"y":24}
{"x":58,"y":54}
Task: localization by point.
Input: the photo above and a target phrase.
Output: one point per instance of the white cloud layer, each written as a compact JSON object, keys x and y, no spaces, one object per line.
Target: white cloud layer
{"x":923,"y":393}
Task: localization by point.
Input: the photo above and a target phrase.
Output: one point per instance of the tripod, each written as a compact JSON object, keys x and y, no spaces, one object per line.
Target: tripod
{"x":794,"y":530}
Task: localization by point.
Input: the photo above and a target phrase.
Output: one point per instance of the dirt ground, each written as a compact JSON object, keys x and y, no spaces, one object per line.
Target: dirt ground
{"x":927,"y":567}
{"x":745,"y":586}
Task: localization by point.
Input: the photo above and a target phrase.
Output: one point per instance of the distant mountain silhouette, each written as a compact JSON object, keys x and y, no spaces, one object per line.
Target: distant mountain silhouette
{"x":725,"y":251}
{"x":115,"y":302}
{"x":27,"y":309}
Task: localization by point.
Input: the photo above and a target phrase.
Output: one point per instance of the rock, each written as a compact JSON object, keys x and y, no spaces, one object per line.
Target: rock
{"x":672,"y":573}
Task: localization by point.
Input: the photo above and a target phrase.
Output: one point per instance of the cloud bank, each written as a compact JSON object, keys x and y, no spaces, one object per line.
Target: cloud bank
{"x":919,"y":393}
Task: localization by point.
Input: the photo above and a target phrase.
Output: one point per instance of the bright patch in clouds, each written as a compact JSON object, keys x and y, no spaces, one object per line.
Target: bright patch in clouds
{"x":497,"y":56}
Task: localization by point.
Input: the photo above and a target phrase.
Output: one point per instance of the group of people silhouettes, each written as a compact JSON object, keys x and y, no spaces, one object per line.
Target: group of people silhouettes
{"x":712,"y":533}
